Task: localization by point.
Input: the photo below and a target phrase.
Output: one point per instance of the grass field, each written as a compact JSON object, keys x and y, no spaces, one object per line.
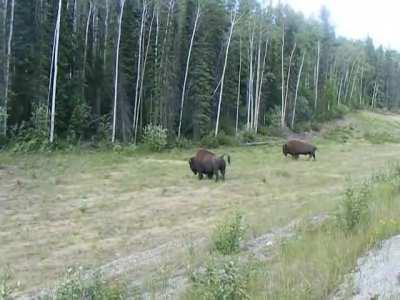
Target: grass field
{"x":90,"y":208}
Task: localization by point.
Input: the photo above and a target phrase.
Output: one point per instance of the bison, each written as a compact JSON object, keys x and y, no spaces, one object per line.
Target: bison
{"x":207,"y":163}
{"x":296,"y":148}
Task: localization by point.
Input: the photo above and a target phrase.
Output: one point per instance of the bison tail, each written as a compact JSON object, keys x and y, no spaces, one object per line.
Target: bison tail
{"x":227,"y":156}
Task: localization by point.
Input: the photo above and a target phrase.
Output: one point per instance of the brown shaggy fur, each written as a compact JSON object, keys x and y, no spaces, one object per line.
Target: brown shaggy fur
{"x":296,"y":148}
{"x":207,"y":163}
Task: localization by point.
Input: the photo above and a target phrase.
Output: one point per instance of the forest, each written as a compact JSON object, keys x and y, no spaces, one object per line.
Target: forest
{"x":104,"y":70}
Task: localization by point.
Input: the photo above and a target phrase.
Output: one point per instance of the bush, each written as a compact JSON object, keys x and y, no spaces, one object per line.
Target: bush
{"x":80,"y":120}
{"x":228,"y":235}
{"x":74,"y":286}
{"x":183,"y":143}
{"x":222,"y":279}
{"x":6,"y":288}
{"x":155,"y":137}
{"x":32,"y":136}
{"x":247,"y":136}
{"x":354,"y":208}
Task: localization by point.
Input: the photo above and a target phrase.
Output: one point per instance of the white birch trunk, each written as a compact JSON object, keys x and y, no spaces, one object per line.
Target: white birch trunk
{"x":250,"y":85}
{"x":187,"y":70}
{"x":258,"y":72}
{"x":85,"y":45}
{"x":139,"y":66}
{"x":233,"y":21}
{"x":143,"y":74}
{"x":297,"y":90}
{"x":7,"y":67}
{"x":354,"y":82}
{"x":316,"y":77}
{"x":55,"y":65}
{"x":283,"y":79}
{"x":340,"y":90}
{"x":288,"y":80}
{"x":238,"y":88}
{"x":261,"y":85}
{"x":122,"y":4}
{"x":361,"y":85}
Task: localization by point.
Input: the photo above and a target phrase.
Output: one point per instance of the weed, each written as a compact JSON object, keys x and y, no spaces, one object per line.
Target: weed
{"x":222,"y":278}
{"x":6,"y":287}
{"x":228,"y":235}
{"x":155,"y":137}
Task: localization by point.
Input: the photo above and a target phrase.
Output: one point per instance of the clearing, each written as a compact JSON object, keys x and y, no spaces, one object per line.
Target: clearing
{"x":146,"y":210}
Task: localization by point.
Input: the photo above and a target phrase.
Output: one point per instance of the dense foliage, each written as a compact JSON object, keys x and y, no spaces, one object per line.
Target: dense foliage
{"x":153,"y":57}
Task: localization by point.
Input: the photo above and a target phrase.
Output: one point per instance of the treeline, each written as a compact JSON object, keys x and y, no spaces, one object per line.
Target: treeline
{"x":92,"y":69}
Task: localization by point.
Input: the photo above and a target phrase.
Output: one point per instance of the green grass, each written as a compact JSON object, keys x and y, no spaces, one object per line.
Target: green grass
{"x":91,"y":207}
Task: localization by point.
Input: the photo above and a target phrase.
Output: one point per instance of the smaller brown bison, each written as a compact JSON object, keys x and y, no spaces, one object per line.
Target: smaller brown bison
{"x":296,"y":148}
{"x":209,"y":164}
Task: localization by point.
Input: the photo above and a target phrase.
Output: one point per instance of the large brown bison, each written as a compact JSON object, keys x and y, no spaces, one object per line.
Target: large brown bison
{"x":296,"y":148}
{"x":207,"y":163}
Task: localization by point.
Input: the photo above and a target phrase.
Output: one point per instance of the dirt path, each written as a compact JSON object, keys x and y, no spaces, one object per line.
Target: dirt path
{"x":377,"y":274}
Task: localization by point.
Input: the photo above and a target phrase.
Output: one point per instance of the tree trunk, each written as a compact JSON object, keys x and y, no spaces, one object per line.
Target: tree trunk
{"x":288,"y":80}
{"x":361,"y":85}
{"x":142,"y":77}
{"x":55,"y":65}
{"x":105,"y":35}
{"x":233,"y":21}
{"x":250,"y":84}
{"x":122,"y":4}
{"x":139,"y":66}
{"x":7,"y":67}
{"x":316,"y":78}
{"x":261,"y":84}
{"x":297,"y":90}
{"x":187,"y":70}
{"x":238,"y":88}
{"x":283,"y":79}
{"x":85,"y":47}
{"x":340,"y":90}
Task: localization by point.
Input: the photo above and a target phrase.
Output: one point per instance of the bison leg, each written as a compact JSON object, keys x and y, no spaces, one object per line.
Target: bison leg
{"x":216,"y":175}
{"x":210,"y":175}
{"x":295,"y":156}
{"x":313,"y":155}
{"x":223,"y":174}
{"x":200,"y":176}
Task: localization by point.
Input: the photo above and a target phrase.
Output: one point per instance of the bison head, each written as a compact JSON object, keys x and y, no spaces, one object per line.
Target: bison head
{"x":192,"y":165}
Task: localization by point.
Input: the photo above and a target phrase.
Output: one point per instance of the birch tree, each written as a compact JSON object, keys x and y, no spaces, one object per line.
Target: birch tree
{"x":187,"y":69}
{"x":297,"y":90}
{"x":233,"y":21}
{"x":55,"y":66}
{"x":143,"y":73}
{"x":139,"y":65}
{"x":283,"y":79}
{"x":238,"y":87}
{"x":122,"y":5}
{"x":7,"y":66}
{"x":316,"y":77}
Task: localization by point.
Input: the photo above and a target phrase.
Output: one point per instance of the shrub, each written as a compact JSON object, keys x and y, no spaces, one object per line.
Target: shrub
{"x":183,"y":143}
{"x":247,"y":136}
{"x":155,"y":137}
{"x":222,"y":279}
{"x":354,"y":208}
{"x":6,"y":288}
{"x":209,"y":141}
{"x":80,"y":120}
{"x":228,"y":235}
{"x":32,"y":136}
{"x":74,"y":286}
{"x":224,"y":139}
